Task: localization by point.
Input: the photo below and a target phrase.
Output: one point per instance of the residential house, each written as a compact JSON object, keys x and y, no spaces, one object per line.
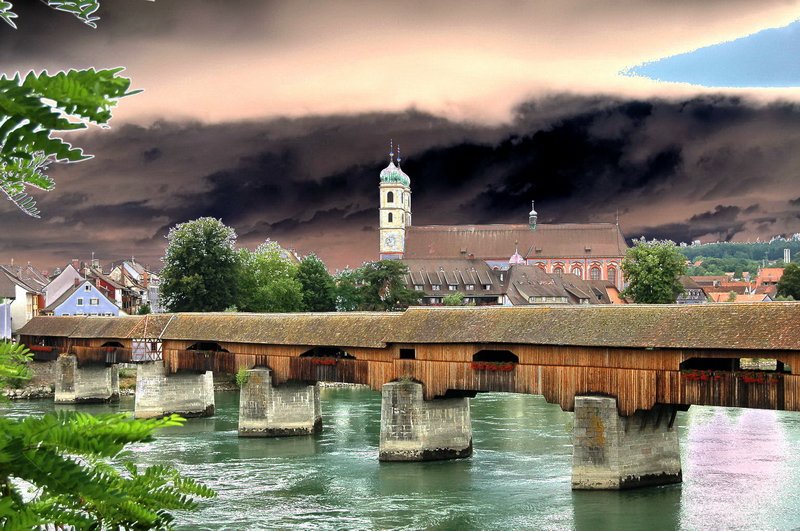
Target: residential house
{"x":140,"y":286}
{"x":734,"y":297}
{"x":519,"y":284}
{"x":693,"y":293}
{"x":769,"y":276}
{"x":20,"y":297}
{"x":64,"y":281}
{"x":82,"y":299}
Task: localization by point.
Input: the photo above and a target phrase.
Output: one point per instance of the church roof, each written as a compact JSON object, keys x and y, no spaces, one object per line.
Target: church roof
{"x":494,"y":242}
{"x":393,"y":174}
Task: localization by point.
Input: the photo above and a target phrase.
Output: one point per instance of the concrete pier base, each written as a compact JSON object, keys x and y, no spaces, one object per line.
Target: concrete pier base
{"x":611,"y":452}
{"x":158,"y":395}
{"x":89,"y":384}
{"x":415,"y":430}
{"x":287,"y":410}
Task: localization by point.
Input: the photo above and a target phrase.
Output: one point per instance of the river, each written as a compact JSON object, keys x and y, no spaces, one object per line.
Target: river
{"x":741,"y":470}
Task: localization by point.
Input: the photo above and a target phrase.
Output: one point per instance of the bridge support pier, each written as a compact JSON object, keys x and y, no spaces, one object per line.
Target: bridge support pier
{"x":158,"y":395}
{"x":269,"y":411}
{"x":415,"y":430}
{"x":89,"y":384}
{"x":610,"y":452}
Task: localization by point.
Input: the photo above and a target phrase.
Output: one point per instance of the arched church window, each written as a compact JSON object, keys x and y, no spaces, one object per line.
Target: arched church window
{"x":594,"y":273}
{"x":390,"y":198}
{"x":577,"y":272}
{"x":558,"y":270}
{"x":612,"y":275}
{"x":390,"y":216}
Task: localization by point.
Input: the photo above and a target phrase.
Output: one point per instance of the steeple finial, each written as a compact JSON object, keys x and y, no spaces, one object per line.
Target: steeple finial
{"x":391,"y":151}
{"x":532,"y":217}
{"x":398,"y":155}
{"x":617,"y":218}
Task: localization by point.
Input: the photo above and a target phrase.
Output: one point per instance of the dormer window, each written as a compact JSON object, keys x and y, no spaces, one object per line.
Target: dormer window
{"x":436,"y":287}
{"x":452,"y":287}
{"x":487,"y":286}
{"x":470,"y":286}
{"x":418,"y":287}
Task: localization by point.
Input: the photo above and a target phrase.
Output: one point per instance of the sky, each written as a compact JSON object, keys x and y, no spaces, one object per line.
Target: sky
{"x":275,"y":117}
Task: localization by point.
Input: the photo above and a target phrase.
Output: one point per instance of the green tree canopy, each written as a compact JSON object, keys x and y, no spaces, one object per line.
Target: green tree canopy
{"x":72,"y":460}
{"x":454,"y":299}
{"x":348,"y":293}
{"x":200,"y":267}
{"x":652,"y":270}
{"x":319,"y":290}
{"x":789,"y":284}
{"x":382,"y":286}
{"x":267,"y":281}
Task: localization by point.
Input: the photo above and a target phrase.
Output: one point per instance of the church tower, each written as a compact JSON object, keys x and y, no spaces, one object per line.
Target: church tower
{"x":395,"y":208}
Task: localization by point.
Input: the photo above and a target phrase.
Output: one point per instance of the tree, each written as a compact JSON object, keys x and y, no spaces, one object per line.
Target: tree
{"x":382,"y":287}
{"x":454,"y":299}
{"x":731,"y":296}
{"x":144,"y":309}
{"x":319,"y":290}
{"x":652,"y":270}
{"x":789,"y":284}
{"x":34,"y":109}
{"x":67,"y":458}
{"x":348,"y":294}
{"x":267,"y":281}
{"x":200,"y":267}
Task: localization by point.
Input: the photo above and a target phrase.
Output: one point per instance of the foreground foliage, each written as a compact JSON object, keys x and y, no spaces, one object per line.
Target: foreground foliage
{"x":65,"y":469}
{"x":34,"y":109}
{"x":652,"y":270}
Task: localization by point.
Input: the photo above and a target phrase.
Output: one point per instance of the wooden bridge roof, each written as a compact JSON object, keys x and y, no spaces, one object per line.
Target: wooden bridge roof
{"x":759,"y":326}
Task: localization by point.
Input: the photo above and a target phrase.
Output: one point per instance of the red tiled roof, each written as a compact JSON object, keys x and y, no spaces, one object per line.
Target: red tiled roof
{"x":497,"y":242}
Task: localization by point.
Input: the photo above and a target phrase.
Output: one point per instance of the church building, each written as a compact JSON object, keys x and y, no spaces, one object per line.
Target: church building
{"x":591,"y":251}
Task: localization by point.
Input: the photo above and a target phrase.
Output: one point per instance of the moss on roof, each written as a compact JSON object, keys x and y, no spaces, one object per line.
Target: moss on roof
{"x":756,"y":326}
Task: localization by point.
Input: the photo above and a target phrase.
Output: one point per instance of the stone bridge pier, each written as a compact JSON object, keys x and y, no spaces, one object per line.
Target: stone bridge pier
{"x":415,"y":430}
{"x":85,"y":385}
{"x":277,"y":411}
{"x":610,"y":452}
{"x":188,"y":394}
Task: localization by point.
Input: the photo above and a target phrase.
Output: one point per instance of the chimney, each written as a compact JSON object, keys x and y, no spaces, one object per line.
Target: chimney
{"x":76,"y":282}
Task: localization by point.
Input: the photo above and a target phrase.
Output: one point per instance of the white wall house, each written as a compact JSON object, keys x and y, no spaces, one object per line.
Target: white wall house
{"x":59,"y":285}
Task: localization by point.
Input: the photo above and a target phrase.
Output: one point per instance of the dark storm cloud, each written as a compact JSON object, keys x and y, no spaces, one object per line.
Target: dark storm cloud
{"x":311,"y":183}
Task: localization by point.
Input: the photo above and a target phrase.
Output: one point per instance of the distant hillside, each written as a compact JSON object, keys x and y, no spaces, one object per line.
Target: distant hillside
{"x":719,"y":258}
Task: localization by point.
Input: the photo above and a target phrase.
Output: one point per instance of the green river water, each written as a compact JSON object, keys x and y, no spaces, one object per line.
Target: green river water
{"x":741,"y":471}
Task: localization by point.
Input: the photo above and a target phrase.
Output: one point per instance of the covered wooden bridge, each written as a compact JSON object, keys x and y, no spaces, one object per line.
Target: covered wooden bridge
{"x":641,"y":355}
{"x":624,"y":370}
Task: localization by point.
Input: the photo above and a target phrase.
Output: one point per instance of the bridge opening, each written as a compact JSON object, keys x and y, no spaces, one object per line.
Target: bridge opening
{"x":734,"y":364}
{"x":497,"y":356}
{"x":327,"y":352}
{"x":408,"y":353}
{"x":208,"y":347}
{"x":113,"y":344}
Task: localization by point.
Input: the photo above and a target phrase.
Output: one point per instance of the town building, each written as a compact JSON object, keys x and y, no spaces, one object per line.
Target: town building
{"x":84,"y":298}
{"x":21,"y":296}
{"x":693,"y":293}
{"x":590,"y":251}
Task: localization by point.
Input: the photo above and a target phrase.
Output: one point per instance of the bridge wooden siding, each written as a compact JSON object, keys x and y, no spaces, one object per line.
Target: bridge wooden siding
{"x":638,"y":377}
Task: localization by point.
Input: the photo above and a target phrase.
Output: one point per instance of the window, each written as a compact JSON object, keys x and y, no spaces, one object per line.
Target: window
{"x":577,"y":271}
{"x":87,"y":287}
{"x":65,"y":314}
{"x":389,"y":216}
{"x":408,"y":354}
{"x":436,"y":287}
{"x":487,"y":286}
{"x":594,"y":273}
{"x":79,"y":301}
{"x":418,"y":287}
{"x":451,"y":287}
{"x":470,"y":286}
{"x":558,"y":270}
{"x":390,"y":197}
{"x":94,"y":302}
{"x":612,"y":275}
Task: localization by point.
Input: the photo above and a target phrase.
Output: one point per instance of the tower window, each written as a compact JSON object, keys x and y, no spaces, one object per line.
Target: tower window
{"x":390,"y":217}
{"x":390,"y":197}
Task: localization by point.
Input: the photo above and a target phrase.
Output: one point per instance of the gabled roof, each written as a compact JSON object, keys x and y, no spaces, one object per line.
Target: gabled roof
{"x":753,"y":326}
{"x":497,"y":242}
{"x":67,"y":294}
{"x":28,"y":284}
